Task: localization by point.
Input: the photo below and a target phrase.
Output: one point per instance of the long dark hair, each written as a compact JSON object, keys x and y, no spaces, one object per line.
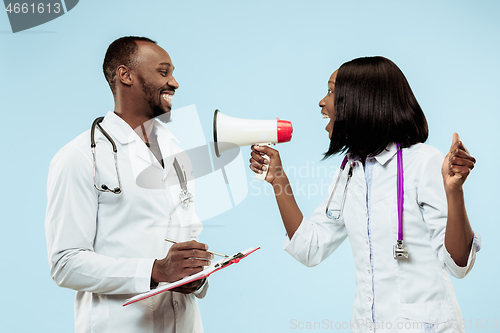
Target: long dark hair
{"x":374,"y":106}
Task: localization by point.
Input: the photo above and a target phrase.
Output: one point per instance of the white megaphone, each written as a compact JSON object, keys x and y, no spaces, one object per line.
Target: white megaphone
{"x":230,"y":132}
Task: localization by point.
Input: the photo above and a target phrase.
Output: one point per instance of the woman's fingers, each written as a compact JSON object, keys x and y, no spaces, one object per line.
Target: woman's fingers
{"x":257,"y":167}
{"x":258,"y":158}
{"x":462,"y":171}
{"x":455,"y":161}
{"x":461,"y":158}
{"x":462,"y":154}
{"x":257,"y":163}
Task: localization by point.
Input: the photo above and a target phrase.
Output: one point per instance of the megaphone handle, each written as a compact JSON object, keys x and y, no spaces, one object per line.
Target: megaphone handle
{"x":262,"y":176}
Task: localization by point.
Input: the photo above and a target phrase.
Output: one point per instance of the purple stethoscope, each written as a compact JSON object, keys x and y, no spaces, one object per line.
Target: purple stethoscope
{"x":399,"y":249}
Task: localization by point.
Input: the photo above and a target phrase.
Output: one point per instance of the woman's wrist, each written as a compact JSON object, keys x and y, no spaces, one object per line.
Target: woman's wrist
{"x":280,"y":181}
{"x":454,"y":192}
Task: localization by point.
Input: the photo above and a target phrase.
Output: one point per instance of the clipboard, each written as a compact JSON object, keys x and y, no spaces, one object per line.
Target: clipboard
{"x":214,"y":267}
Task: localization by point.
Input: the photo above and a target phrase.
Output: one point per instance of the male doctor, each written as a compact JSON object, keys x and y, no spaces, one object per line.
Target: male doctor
{"x":109,"y":245}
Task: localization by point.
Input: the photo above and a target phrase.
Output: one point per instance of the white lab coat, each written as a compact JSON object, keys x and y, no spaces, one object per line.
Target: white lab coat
{"x":103,"y":245}
{"x":407,"y":293}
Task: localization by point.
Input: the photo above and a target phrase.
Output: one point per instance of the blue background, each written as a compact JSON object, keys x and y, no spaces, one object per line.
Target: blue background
{"x":258,"y":60}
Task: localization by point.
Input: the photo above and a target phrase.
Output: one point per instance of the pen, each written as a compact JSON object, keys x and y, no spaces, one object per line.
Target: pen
{"x":213,"y":252}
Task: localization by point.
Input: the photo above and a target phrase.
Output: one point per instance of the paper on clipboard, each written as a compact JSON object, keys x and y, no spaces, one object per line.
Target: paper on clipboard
{"x":214,"y":267}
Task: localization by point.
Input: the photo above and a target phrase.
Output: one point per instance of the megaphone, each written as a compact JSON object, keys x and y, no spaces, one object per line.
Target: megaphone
{"x":230,"y":132}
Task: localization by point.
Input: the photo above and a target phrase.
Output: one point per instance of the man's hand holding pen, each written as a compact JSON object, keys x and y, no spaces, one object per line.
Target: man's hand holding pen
{"x":183,"y":259}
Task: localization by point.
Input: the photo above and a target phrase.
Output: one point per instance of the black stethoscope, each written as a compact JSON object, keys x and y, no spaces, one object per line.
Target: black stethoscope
{"x":104,"y":187}
{"x":185,"y":197}
{"x":399,"y":249}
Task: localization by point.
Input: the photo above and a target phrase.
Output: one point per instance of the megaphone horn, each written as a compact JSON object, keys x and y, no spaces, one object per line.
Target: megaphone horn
{"x":229,"y":131}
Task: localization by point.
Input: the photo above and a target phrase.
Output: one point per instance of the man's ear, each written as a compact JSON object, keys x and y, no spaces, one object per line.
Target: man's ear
{"x":124,"y":75}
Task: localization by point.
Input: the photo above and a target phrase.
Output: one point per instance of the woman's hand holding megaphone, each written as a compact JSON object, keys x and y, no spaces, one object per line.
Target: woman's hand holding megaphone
{"x":259,"y":164}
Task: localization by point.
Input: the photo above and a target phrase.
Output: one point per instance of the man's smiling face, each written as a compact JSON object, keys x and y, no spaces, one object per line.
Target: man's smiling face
{"x":154,"y":70}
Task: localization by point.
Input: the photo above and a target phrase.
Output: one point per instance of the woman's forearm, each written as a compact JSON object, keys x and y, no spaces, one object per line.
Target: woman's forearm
{"x":290,"y":212}
{"x":459,"y":235}
{"x":456,"y":168}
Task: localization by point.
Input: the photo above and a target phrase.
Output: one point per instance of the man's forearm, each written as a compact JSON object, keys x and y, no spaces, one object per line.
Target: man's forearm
{"x":88,"y":271}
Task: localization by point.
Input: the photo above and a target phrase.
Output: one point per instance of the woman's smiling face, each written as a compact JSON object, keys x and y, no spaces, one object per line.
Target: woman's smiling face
{"x":327,"y":104}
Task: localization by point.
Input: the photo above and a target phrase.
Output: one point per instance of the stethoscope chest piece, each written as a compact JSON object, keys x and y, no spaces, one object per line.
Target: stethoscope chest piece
{"x":400,"y":250}
{"x":185,"y":198}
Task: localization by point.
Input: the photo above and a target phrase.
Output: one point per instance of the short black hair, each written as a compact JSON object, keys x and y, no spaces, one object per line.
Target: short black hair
{"x":121,"y":52}
{"x":374,"y":106}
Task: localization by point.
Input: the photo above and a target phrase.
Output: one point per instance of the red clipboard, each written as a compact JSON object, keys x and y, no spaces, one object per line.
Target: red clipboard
{"x":214,"y":267}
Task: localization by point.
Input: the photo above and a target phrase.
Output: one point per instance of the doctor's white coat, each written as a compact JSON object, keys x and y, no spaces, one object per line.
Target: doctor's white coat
{"x":404,"y":295}
{"x":103,"y":245}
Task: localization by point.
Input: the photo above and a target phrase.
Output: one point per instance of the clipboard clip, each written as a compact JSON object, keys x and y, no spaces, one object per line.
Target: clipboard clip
{"x":234,"y":259}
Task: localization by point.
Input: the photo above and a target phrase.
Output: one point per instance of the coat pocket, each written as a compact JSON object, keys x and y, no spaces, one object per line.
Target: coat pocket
{"x":432,"y":317}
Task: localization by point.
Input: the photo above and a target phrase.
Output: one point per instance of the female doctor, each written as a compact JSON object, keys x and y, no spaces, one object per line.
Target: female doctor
{"x":389,"y":179}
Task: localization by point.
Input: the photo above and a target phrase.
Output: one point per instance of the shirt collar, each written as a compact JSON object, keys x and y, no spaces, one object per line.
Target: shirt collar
{"x":387,"y":154}
{"x":383,"y":157}
{"x":118,"y":127}
{"x":122,"y":131}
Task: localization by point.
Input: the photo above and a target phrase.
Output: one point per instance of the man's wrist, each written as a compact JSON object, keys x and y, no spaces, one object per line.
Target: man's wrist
{"x":153,"y":283}
{"x":200,"y":288}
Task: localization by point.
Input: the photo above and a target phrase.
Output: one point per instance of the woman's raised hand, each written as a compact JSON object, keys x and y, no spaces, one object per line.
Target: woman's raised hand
{"x":457,"y":165}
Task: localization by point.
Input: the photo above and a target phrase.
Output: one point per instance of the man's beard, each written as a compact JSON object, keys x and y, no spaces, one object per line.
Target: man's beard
{"x":156,"y":109}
